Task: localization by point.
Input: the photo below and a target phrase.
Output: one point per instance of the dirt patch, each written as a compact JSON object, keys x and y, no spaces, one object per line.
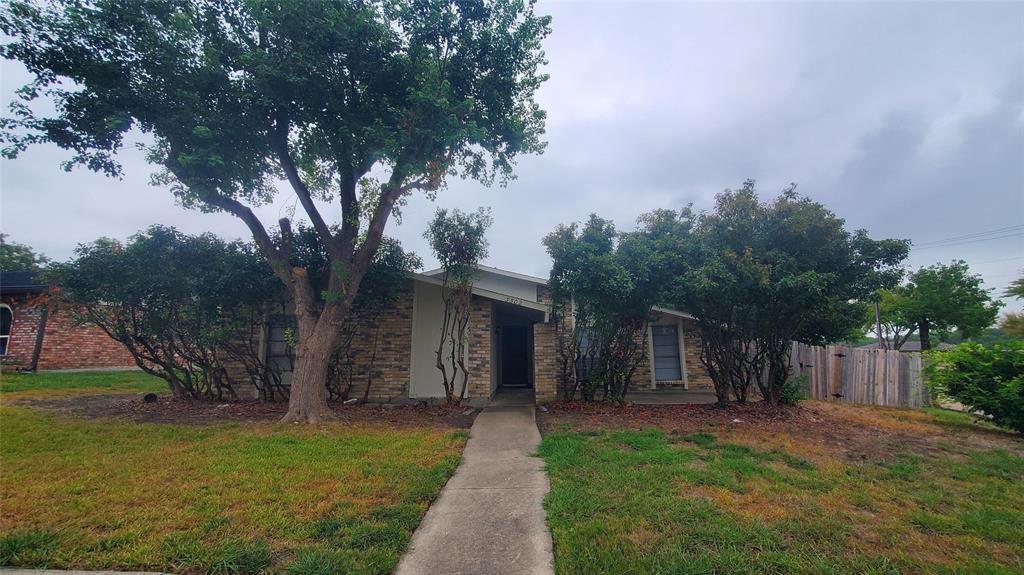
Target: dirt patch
{"x":168,"y":409}
{"x":854,"y":432}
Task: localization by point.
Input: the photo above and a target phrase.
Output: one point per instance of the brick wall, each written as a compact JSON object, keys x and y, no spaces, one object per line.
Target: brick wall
{"x":481,"y":323}
{"x":696,"y":375}
{"x":545,"y":363}
{"x":65,"y":345}
{"x":24,"y":327}
{"x":391,"y":335}
{"x":381,"y":352}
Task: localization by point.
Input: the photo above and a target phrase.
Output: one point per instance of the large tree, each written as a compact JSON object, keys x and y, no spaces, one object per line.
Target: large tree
{"x":357,"y":103}
{"x":758,"y":275}
{"x":939,"y":299}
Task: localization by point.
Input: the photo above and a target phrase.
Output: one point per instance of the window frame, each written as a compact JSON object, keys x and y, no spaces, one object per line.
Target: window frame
{"x":677,"y":355}
{"x":6,"y":338}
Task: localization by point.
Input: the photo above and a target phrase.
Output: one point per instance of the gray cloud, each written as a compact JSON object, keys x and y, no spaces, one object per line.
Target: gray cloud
{"x":905,"y":119}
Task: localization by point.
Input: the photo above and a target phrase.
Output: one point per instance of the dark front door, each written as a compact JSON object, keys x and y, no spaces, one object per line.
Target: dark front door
{"x":515,"y":360}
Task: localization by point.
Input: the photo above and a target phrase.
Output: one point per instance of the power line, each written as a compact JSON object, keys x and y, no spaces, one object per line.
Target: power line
{"x":995,"y":231}
{"x":964,"y":242}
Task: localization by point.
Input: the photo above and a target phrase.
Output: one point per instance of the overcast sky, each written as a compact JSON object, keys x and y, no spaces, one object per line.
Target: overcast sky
{"x":905,"y":119}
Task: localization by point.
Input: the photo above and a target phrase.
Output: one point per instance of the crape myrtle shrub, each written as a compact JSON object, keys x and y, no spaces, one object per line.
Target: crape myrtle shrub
{"x":186,"y":307}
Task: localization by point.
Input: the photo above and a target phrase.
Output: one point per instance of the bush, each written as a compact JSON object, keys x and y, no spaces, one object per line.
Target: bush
{"x":794,"y":390}
{"x":985,"y":379}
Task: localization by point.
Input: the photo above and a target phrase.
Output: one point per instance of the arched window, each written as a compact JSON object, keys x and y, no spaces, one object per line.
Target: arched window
{"x":6,"y":319}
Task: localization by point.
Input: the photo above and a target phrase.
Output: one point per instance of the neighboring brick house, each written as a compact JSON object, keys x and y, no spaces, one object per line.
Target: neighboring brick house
{"x":511,"y":344}
{"x":35,"y":336}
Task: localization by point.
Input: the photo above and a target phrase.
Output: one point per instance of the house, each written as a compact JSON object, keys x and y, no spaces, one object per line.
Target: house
{"x":511,"y":344}
{"x":37,"y":336}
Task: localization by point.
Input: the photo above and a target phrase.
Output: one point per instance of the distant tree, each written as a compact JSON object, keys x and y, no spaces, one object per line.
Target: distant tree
{"x":1013,"y":324}
{"x":237,"y":95}
{"x":19,"y":257}
{"x":1016,"y":289}
{"x":937,"y":300}
{"x":603,"y":285}
{"x":459,"y":242}
{"x":759,"y":275}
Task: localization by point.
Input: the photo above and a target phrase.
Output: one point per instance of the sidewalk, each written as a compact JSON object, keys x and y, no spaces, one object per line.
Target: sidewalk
{"x":489,"y":519}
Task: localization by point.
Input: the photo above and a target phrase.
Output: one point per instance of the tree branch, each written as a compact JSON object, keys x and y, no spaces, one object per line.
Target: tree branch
{"x":279,"y":141}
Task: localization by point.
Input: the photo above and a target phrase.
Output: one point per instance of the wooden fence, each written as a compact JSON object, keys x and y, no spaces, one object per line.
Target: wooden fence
{"x":855,"y":375}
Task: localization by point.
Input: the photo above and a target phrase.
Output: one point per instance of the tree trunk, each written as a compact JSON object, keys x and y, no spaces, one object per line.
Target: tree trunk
{"x":318,"y":335}
{"x":923,"y":331}
{"x":307,"y":401}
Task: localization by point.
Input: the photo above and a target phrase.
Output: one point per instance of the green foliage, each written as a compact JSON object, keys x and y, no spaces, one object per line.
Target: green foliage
{"x":422,"y":86}
{"x":758,"y":275}
{"x":985,"y":379}
{"x":939,"y":298}
{"x":19,"y":257}
{"x":459,"y":243}
{"x":603,"y":287}
{"x":1016,"y":289}
{"x":794,"y":390}
{"x":181,"y":305}
{"x":1013,"y":324}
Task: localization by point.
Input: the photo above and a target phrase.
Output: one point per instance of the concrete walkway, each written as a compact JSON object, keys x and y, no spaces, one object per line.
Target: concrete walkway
{"x":489,"y":519}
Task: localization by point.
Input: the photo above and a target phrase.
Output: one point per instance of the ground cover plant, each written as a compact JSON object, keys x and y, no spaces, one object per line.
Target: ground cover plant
{"x":822,"y":488}
{"x":236,"y":497}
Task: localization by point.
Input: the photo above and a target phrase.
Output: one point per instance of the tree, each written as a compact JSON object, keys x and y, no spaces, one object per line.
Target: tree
{"x":603,"y":286}
{"x":939,"y":299}
{"x":986,"y":379}
{"x":759,"y":275}
{"x":19,"y":257}
{"x":1013,"y":324}
{"x":1016,"y":289}
{"x":459,"y":243}
{"x":181,"y":324}
{"x":238,"y":94}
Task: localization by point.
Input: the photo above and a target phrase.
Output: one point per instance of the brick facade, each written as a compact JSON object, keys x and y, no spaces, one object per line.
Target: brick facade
{"x":64,"y":346}
{"x":480,"y":338}
{"x":545,"y":363}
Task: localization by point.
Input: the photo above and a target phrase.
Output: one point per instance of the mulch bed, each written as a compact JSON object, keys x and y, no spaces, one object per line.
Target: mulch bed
{"x":169,"y":409}
{"x":837,"y":428}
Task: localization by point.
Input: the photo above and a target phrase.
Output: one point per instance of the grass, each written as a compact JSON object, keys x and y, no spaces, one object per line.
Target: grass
{"x":64,"y":382}
{"x":221,"y":499}
{"x":649,"y":501}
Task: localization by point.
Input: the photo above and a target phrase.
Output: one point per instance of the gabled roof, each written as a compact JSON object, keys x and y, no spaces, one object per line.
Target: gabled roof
{"x":493,"y":295}
{"x":497,"y":271}
{"x":19,"y":282}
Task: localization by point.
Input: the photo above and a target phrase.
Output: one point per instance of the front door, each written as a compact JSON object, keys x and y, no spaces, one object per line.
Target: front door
{"x":515,"y":357}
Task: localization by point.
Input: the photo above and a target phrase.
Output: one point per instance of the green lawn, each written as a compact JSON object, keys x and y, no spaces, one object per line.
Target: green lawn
{"x":650,"y":501}
{"x":228,"y":498}
{"x":63,"y":382}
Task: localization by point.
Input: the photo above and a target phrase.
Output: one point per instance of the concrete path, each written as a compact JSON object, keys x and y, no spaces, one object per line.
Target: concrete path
{"x":488,"y":520}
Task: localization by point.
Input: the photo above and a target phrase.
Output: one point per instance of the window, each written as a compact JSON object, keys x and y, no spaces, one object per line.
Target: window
{"x":587,"y":354}
{"x":6,"y":319}
{"x":666,"y":353}
{"x":282,"y":333}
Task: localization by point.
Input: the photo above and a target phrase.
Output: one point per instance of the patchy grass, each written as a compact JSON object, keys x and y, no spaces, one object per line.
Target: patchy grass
{"x":227,"y":498}
{"x":49,"y":383}
{"x":790,"y":498}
